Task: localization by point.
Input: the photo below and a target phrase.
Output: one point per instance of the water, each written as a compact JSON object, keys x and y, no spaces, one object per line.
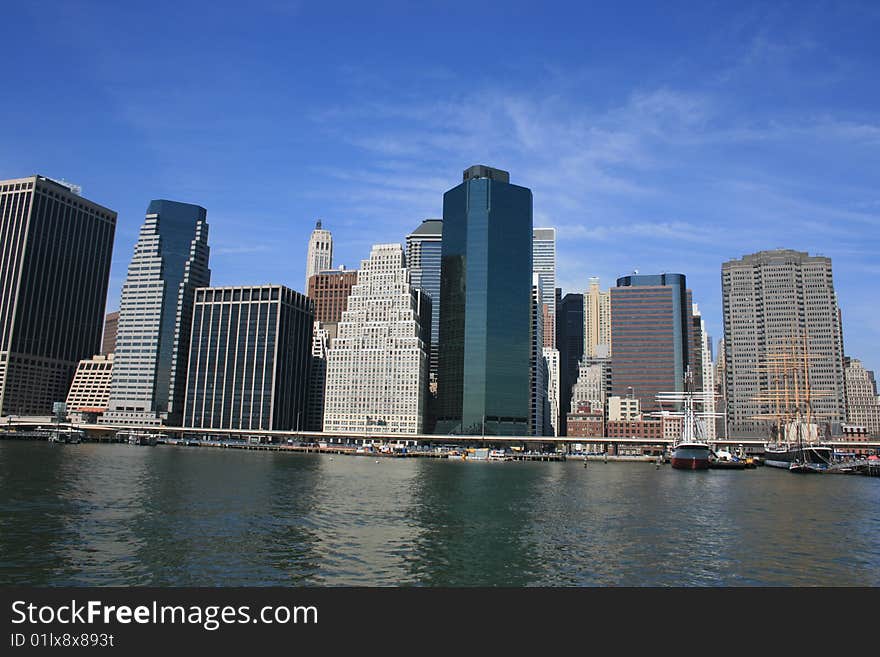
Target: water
{"x":117,"y":515}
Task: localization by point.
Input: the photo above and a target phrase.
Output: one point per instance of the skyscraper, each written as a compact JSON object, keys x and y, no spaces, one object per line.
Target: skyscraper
{"x":320,"y":255}
{"x":775,"y":301}
{"x":377,"y":368}
{"x":329,"y":291}
{"x":317,"y":378}
{"x":108,"y":342}
{"x":249,"y":358}
{"x":537,"y":365}
{"x":863,"y":405}
{"x":651,"y":332}
{"x":485,"y":298}
{"x":424,"y":250}
{"x":55,"y":250}
{"x":155,"y":316}
{"x":570,"y":342}
{"x":597,"y":321}
{"x":702,"y":353}
{"x":551,"y":413}
{"x":544,"y":265}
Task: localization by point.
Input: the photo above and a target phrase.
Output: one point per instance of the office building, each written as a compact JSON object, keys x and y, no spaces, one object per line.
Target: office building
{"x":89,"y":392}
{"x":552,"y":418}
{"x":650,"y":332}
{"x":317,"y":378}
{"x":863,"y":405}
{"x":55,"y":251}
{"x":320,"y":254}
{"x":424,"y":252}
{"x":776,"y":303}
{"x":155,"y":316}
{"x":485,"y":306}
{"x":623,"y":409}
{"x":249,"y":359}
{"x":704,"y":373}
{"x":544,"y":265}
{"x":377,"y":368}
{"x":537,"y":366}
{"x":108,"y":342}
{"x":597,"y":321}
{"x":329,"y":291}
{"x":570,"y":342}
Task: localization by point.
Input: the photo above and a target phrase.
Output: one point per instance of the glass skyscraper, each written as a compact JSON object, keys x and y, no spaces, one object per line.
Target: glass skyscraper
{"x":485,"y":306}
{"x":424,"y":250}
{"x":155,"y":317}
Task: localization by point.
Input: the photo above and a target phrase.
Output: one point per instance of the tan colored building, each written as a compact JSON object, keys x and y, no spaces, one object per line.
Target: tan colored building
{"x":597,"y":321}
{"x":89,"y":393}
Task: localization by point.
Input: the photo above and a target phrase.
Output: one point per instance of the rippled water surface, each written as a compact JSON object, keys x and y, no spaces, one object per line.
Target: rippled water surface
{"x":171,"y":516}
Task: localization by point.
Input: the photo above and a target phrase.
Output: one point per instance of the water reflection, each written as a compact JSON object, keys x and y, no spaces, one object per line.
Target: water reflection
{"x":119,"y":515}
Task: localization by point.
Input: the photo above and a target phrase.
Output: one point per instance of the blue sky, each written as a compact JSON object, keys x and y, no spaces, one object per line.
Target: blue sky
{"x":655,"y":136}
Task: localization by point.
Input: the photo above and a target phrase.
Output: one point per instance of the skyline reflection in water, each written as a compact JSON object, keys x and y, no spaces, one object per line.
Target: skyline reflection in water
{"x":117,"y":515}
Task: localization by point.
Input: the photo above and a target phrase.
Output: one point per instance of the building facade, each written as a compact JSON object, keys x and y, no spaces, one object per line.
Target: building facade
{"x":108,"y":342}
{"x":424,"y":252}
{"x":570,"y":342}
{"x":249,"y":359}
{"x":551,"y":412}
{"x":320,"y":254}
{"x":544,"y":266}
{"x":317,"y":378}
{"x":155,"y":316}
{"x":862,"y":403}
{"x":55,"y":251}
{"x":329,"y":291}
{"x":377,"y":368}
{"x":650,"y":331}
{"x":778,"y":303}
{"x":485,"y":306}
{"x":537,"y":366}
{"x":597,"y":321}
{"x":89,"y":392}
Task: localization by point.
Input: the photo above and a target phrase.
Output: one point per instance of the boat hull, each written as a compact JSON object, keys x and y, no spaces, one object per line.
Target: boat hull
{"x":690,"y":457}
{"x":783,"y":458}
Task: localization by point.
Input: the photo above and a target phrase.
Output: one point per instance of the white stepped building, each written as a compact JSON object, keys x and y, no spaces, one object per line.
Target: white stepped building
{"x":377,"y":369}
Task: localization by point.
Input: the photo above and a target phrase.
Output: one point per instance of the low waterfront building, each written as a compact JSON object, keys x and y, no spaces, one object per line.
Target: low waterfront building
{"x":623,"y":409}
{"x":586,"y":421}
{"x":249,"y":358}
{"x":377,"y":368}
{"x":89,"y":393}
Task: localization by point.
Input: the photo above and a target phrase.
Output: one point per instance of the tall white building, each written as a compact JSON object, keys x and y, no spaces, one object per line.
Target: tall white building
{"x":155,"y":316}
{"x":708,"y":377}
{"x":591,"y":385}
{"x":320,"y":255}
{"x":551,"y":358}
{"x":863,"y":405}
{"x":537,"y":366}
{"x":544,"y":266}
{"x":597,"y":321}
{"x":777,"y":304}
{"x":377,"y":368}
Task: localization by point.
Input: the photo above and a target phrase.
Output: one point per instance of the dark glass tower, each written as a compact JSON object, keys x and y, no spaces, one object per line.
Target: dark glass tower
{"x":570,"y":342}
{"x":424,"y":250}
{"x":485,"y":306}
{"x":55,"y":249}
{"x":249,"y":358}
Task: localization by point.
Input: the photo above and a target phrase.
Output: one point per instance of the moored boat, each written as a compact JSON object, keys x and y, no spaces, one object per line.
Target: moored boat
{"x":690,"y":455}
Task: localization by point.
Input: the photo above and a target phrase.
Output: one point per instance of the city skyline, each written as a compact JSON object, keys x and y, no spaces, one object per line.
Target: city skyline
{"x":720,"y":135}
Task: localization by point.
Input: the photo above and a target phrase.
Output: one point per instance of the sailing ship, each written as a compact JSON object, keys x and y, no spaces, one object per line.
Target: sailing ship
{"x":794,"y":442}
{"x":690,"y":451}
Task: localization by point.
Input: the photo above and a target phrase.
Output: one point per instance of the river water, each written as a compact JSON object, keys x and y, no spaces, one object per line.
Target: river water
{"x":119,"y":515}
